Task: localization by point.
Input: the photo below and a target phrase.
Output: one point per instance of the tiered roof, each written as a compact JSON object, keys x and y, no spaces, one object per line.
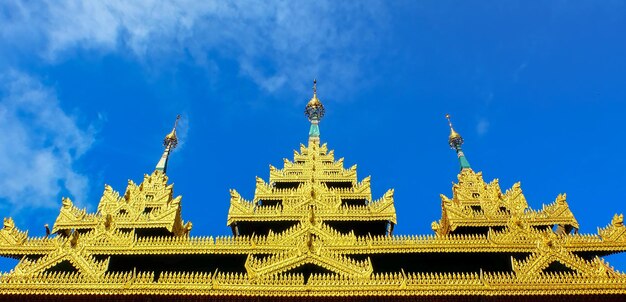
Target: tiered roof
{"x":313,"y":180}
{"x":312,"y":231}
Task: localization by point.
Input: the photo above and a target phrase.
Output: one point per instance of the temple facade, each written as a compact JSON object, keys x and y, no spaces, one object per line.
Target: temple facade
{"x":313,"y":231}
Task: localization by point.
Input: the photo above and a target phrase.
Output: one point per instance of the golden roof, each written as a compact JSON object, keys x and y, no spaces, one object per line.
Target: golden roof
{"x":314,"y":230}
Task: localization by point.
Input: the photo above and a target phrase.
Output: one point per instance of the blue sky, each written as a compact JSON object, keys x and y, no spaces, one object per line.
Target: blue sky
{"x":89,"y":89}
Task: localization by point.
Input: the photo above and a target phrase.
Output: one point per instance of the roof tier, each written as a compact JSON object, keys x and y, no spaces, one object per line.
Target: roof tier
{"x":477,"y":206}
{"x":312,"y":182}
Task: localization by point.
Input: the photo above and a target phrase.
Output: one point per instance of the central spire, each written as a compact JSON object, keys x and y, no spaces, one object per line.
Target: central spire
{"x":314,"y":111}
{"x":456,"y":140}
{"x":170,"y":142}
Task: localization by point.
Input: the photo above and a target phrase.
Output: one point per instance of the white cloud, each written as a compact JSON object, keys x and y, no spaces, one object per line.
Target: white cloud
{"x":275,"y":43}
{"x":182,"y":130}
{"x":482,"y":127}
{"x":40,"y":144}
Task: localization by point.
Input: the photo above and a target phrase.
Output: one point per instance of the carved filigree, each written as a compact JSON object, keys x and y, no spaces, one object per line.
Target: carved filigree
{"x":70,"y":249}
{"x":148,"y":205}
{"x":477,"y":204}
{"x":71,"y":217}
{"x":310,"y":251}
{"x":10,"y":235}
{"x":315,"y":172}
{"x":549,"y":252}
{"x":615,"y":231}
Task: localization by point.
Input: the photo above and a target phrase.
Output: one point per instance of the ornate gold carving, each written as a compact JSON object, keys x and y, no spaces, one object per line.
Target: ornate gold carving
{"x":477,"y":204}
{"x":614,"y":232}
{"x":10,"y":235}
{"x":70,"y":249}
{"x":148,"y":205}
{"x":313,"y":169}
{"x":318,"y":194}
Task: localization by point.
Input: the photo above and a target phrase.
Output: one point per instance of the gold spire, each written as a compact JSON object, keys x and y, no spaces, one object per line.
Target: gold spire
{"x":170,"y":142}
{"x":314,"y":111}
{"x":314,"y":103}
{"x":171,"y":139}
{"x":455,"y":140}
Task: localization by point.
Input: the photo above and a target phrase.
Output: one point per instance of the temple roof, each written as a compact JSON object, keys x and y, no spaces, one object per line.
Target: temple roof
{"x":314,"y":230}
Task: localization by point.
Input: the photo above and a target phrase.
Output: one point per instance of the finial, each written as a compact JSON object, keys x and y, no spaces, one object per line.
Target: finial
{"x":455,"y":140}
{"x":171,"y":139}
{"x":314,"y":111}
{"x":170,"y":142}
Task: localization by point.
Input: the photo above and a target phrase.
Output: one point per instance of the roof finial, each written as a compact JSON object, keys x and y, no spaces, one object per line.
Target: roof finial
{"x":314,"y":111}
{"x":170,"y":142}
{"x":455,"y":140}
{"x":171,"y":138}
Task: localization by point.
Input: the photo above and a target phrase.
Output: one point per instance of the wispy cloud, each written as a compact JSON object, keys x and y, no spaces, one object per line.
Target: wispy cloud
{"x":182,"y":130}
{"x":40,"y":144}
{"x":482,"y":127}
{"x":276,"y":44}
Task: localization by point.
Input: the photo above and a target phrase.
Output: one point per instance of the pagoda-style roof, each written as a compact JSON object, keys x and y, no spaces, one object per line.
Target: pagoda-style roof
{"x":476,"y":205}
{"x":313,"y":180}
{"x":313,"y":231}
{"x":147,"y":206}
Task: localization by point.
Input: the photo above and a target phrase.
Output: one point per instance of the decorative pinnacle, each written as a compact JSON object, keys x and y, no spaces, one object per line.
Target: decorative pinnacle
{"x":455,"y":140}
{"x":314,"y":109}
{"x":171,"y":140}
